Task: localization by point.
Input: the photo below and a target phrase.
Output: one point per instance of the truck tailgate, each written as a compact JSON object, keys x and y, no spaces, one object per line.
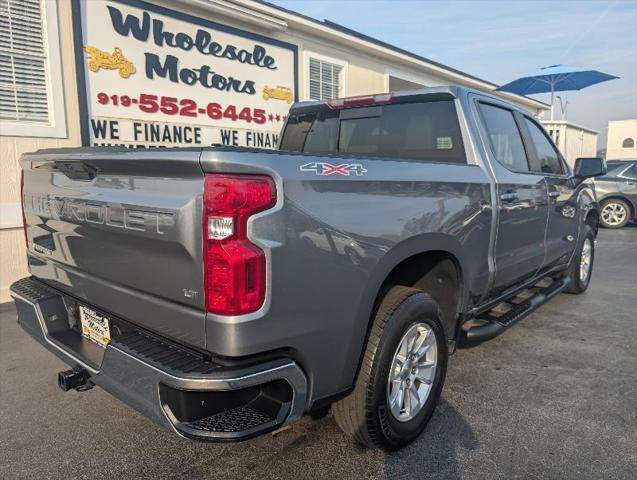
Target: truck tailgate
{"x":121,"y":230}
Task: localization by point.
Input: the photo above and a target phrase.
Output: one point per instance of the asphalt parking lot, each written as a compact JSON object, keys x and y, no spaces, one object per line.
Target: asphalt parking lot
{"x":555,"y":397}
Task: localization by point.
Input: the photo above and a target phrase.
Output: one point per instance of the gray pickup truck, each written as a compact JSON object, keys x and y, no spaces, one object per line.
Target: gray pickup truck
{"x":225,"y":292}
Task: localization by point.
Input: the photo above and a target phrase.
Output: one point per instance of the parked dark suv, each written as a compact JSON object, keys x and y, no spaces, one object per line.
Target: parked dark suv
{"x":617,"y":193}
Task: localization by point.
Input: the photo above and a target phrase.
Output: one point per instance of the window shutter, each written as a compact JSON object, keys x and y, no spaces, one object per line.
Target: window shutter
{"x":23,"y":76}
{"x":325,"y":80}
{"x":315,"y":79}
{"x":336,"y":76}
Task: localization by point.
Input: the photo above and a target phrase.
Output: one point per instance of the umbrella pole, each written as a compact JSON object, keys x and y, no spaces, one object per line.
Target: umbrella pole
{"x":552,"y":95}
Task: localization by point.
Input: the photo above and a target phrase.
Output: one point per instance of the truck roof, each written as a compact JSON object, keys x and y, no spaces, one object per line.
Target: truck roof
{"x":430,"y":93}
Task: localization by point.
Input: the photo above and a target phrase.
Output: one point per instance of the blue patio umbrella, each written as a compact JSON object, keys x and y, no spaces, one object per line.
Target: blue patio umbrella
{"x":555,"y":78}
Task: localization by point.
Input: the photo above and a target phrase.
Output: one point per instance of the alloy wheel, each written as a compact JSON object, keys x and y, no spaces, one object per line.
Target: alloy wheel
{"x":412,"y":372}
{"x":614,"y":214}
{"x":585,"y":260}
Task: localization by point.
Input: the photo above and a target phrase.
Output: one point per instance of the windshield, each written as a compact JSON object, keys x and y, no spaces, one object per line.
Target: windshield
{"x":418,"y":131}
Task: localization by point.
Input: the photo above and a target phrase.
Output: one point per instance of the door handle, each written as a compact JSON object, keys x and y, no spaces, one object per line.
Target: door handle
{"x":554,"y":194}
{"x":509,"y":196}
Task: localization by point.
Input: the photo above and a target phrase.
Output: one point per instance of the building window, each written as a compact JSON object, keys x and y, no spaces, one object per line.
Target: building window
{"x":628,"y":143}
{"x":31,"y":98}
{"x":326,"y":78}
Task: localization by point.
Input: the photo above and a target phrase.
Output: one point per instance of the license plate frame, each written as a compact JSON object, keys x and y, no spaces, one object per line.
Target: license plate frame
{"x":95,"y":326}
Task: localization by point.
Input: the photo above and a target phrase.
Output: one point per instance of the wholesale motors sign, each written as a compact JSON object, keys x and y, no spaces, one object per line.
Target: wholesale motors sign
{"x":149,"y":76}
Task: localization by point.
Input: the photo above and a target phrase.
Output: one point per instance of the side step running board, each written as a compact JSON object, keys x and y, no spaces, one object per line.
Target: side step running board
{"x":493,"y":326}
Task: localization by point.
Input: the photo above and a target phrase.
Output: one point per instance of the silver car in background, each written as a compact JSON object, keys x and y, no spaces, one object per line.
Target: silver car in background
{"x":617,"y":193}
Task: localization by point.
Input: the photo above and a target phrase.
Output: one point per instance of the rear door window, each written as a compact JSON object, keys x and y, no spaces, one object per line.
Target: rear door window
{"x":296,"y":130}
{"x":418,"y":131}
{"x":630,"y":172}
{"x":505,"y":138}
{"x":548,"y":158}
{"x":322,"y":136}
{"x":613,"y":169}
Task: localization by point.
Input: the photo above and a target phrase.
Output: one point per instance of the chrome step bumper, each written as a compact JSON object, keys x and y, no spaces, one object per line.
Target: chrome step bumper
{"x":172,"y":385}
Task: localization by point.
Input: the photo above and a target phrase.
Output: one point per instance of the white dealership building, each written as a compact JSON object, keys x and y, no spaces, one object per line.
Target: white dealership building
{"x":622,"y":140}
{"x":175,"y":73}
{"x":573,"y":140}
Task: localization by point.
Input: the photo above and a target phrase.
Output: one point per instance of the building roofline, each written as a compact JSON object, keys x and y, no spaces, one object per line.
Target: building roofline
{"x":624,"y":120}
{"x":331,"y":27}
{"x":389,"y":46}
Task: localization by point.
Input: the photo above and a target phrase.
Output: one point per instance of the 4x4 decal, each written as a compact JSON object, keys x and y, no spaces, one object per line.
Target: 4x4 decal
{"x":324,"y":168}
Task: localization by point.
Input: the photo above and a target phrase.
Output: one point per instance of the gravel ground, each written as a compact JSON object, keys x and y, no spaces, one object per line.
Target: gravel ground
{"x":554,"y":397}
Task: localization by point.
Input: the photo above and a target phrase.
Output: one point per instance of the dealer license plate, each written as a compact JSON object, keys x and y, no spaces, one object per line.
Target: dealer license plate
{"x":95,"y":327}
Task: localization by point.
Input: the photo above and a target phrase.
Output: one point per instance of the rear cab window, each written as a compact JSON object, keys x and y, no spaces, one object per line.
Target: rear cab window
{"x":426,"y":130}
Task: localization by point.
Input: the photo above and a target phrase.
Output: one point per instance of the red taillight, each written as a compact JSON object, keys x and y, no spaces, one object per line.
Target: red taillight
{"x":363,"y":100}
{"x":234,"y":268}
{"x":24,"y":218}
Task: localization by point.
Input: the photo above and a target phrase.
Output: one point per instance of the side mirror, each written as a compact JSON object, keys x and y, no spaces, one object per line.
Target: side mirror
{"x":589,"y":167}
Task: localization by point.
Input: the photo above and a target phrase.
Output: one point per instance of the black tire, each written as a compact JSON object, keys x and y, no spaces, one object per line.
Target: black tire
{"x":620,"y":204}
{"x":365,"y":415}
{"x":579,"y":285}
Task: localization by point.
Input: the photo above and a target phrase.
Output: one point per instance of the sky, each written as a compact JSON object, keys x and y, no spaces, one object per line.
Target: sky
{"x":501,"y":40}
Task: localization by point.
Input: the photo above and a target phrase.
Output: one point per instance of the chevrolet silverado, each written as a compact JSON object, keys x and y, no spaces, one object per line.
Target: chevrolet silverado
{"x":226,"y":292}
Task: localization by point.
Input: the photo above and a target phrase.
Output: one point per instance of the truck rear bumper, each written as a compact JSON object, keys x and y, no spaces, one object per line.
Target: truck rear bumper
{"x":178,"y":388}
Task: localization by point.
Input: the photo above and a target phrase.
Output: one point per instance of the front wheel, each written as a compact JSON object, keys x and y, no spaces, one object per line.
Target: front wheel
{"x":402,"y":372}
{"x":581,"y":267}
{"x":615,"y":213}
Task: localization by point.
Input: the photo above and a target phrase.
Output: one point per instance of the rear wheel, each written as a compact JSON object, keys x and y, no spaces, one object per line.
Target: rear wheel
{"x":581,"y":268}
{"x":402,"y":373}
{"x":615,"y":213}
